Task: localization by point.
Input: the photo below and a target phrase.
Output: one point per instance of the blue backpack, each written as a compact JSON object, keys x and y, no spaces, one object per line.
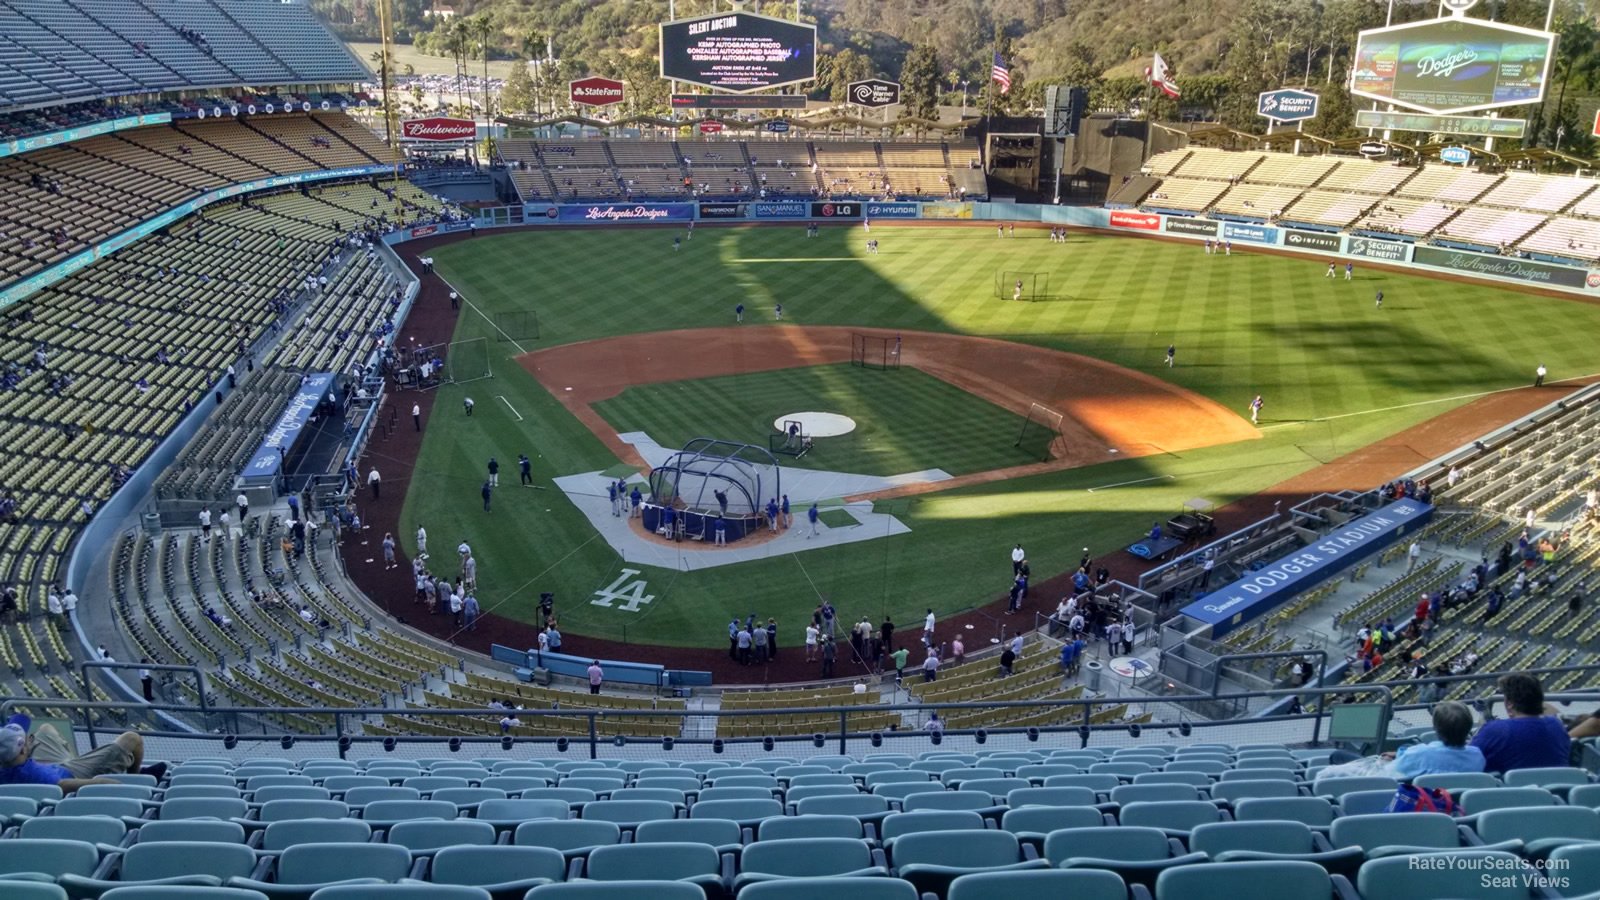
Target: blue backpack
{"x":1410,"y":798}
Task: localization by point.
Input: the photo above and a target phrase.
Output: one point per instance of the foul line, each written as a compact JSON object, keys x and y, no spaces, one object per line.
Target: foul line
{"x":1103,"y":487}
{"x":509,"y":406}
{"x":1366,"y":412}
{"x":520,"y":348}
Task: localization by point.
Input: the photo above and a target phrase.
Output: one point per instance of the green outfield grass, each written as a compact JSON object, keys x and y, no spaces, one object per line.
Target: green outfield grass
{"x":1336,"y":373}
{"x":906,"y":420}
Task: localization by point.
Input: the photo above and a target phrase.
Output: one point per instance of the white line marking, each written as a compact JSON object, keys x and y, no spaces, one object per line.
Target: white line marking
{"x":1126,"y":483}
{"x":520,"y":348}
{"x":509,"y":406}
{"x":1380,"y":409}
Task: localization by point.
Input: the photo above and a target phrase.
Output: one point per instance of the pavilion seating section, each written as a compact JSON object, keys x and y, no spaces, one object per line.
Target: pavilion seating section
{"x":1539,"y":214}
{"x":653,"y":169}
{"x":1292,"y":171}
{"x":1160,"y":821}
{"x":849,"y":167}
{"x":57,"y":52}
{"x":719,"y":169}
{"x":1567,"y":237}
{"x":67,"y":198}
{"x":1319,"y":207}
{"x":1491,"y":227}
{"x":1257,"y":201}
{"x":1186,"y":194}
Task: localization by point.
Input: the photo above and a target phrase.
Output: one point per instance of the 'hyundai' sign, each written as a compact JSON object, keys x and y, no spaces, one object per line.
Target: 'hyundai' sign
{"x":1458,"y":155}
{"x":596,"y":91}
{"x":1287,"y":105}
{"x":438,"y":128}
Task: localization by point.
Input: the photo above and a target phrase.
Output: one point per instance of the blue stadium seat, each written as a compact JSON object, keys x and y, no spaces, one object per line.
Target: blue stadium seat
{"x":203,"y":808}
{"x":1338,"y":787}
{"x":1456,"y":782}
{"x":1176,"y":817}
{"x":811,"y":888}
{"x":301,"y":869}
{"x":1272,"y":841}
{"x":573,"y":837}
{"x":1547,"y":777}
{"x":283,"y":835}
{"x":94,"y":829}
{"x":506,"y":872}
{"x":1234,"y":791}
{"x":1051,"y":796}
{"x":723,"y":834}
{"x":1196,"y":779}
{"x":748,"y":813}
{"x":1482,"y":799}
{"x":1361,"y":803}
{"x":1136,"y":793}
{"x":624,"y":890}
{"x":209,"y":831}
{"x":808,"y":858}
{"x":785,"y":827}
{"x":968,"y":800}
{"x":425,"y":836}
{"x":168,"y":863}
{"x":1401,"y":878}
{"x":1387,"y":834}
{"x":1244,"y":880}
{"x":697,"y":864}
{"x":48,"y":857}
{"x":1031,"y":824}
{"x":1138,"y":855}
{"x":898,"y":824}
{"x":1079,"y":884}
{"x":930,"y":860}
{"x":1540,"y":829}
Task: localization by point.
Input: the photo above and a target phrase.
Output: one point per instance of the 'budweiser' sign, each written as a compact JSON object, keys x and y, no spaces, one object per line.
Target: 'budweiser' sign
{"x":438,"y":128}
{"x":596,"y":91}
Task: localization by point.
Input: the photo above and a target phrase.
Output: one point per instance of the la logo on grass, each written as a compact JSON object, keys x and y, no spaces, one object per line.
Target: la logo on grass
{"x":632,"y":595}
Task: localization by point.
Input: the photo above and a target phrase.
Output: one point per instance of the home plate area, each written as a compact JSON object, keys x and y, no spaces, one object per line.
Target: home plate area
{"x":840,"y":522}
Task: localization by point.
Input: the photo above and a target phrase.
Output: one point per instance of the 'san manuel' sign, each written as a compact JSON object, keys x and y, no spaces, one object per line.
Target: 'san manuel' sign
{"x":1259,"y":591}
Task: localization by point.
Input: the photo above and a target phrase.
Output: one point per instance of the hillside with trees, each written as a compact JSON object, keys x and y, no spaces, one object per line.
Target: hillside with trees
{"x":1223,"y":51}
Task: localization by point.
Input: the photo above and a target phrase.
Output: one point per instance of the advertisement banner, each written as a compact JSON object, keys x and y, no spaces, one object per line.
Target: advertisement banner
{"x":1182,"y":225}
{"x":1311,"y":240}
{"x":731,"y":101}
{"x":1256,"y":234}
{"x":1259,"y":591}
{"x":611,"y":213}
{"x":793,"y":209}
{"x":828,"y":209}
{"x":1287,"y":105}
{"x":1122,"y":218}
{"x":424,"y":231}
{"x":1373,"y":248}
{"x":947,"y":210}
{"x":891,"y":210}
{"x":722,"y":210}
{"x":596,"y":91}
{"x":438,"y":128}
{"x":1500,"y":266}
{"x":874,"y":93}
{"x":1593,"y":281}
{"x":66,"y":136}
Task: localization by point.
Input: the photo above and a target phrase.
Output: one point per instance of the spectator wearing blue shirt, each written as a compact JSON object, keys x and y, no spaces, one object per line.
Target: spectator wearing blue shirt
{"x":813,"y":515}
{"x":1452,"y":722}
{"x":45,"y":757}
{"x":1530,"y":736}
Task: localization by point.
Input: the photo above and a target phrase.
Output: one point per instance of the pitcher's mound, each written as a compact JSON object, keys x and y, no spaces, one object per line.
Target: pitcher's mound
{"x":815,"y":424}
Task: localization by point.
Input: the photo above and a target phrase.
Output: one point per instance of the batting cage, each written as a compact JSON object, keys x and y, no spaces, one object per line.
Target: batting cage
{"x":875,"y":351}
{"x":517,"y":325}
{"x":1010,"y":284}
{"x":709,"y":479}
{"x":1041,"y":428}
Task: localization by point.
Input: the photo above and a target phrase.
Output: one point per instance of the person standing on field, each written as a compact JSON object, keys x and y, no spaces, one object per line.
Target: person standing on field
{"x":494,"y":472}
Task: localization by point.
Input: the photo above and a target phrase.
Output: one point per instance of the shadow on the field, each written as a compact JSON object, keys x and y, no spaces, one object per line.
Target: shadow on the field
{"x":1412,"y":357}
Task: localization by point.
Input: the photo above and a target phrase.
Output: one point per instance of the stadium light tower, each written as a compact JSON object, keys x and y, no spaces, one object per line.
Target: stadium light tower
{"x":391,"y":105}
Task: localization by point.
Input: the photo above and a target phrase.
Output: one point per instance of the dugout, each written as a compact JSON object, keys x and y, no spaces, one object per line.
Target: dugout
{"x":691,"y":480}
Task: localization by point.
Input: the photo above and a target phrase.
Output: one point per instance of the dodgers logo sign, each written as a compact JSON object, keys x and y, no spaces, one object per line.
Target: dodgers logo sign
{"x":639,"y":212}
{"x":1287,"y":105}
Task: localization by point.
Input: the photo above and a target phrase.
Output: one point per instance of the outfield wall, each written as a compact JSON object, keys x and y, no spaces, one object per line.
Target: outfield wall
{"x":1356,"y":249}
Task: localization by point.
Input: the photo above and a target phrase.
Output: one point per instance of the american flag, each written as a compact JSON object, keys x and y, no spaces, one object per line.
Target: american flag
{"x":1000,"y":74}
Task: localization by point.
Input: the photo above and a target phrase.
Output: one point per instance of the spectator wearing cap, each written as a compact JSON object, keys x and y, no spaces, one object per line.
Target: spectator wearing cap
{"x":45,"y":758}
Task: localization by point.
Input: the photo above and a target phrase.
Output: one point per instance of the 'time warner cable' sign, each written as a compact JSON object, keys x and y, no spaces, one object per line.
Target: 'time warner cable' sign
{"x":438,"y":128}
{"x":595,"y":91}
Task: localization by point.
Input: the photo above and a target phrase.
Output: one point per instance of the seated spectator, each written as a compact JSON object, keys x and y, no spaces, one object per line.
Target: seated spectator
{"x":1530,"y":736}
{"x":1452,"y":722}
{"x":45,"y":758}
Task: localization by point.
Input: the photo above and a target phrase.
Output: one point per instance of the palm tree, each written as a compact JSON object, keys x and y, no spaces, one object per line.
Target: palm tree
{"x":531,"y":48}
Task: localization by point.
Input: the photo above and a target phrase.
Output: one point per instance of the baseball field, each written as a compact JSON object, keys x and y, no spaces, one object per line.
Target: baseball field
{"x":636,"y":336}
